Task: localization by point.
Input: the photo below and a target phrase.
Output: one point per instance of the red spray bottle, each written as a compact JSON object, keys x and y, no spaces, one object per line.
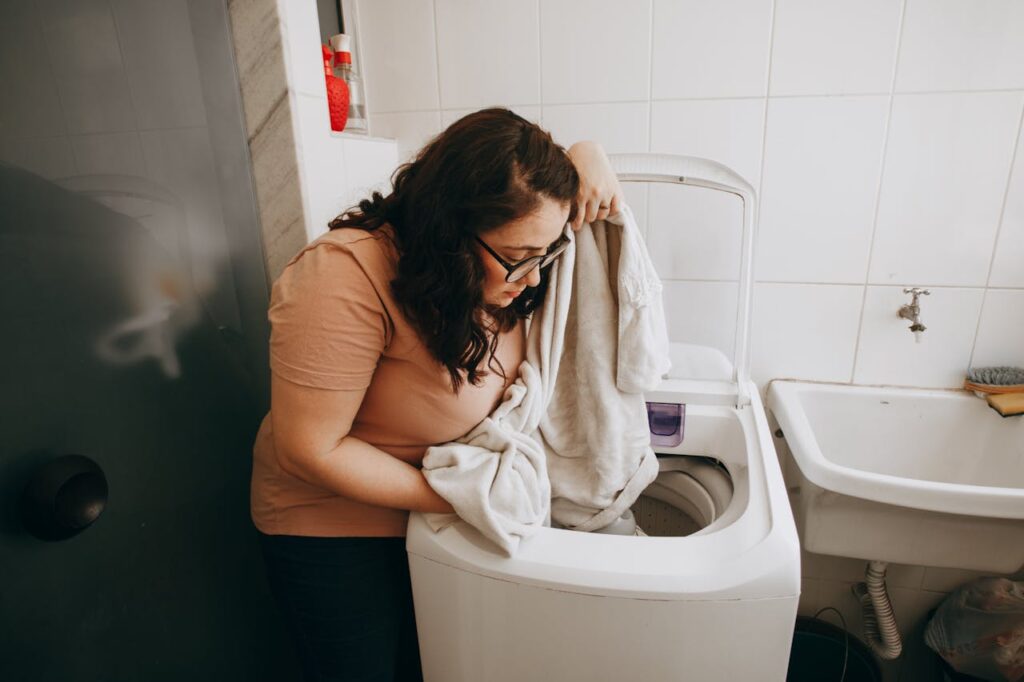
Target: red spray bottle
{"x":337,"y":93}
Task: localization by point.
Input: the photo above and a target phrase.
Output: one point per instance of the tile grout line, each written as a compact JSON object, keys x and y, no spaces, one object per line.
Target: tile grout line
{"x":650,"y":98}
{"x":760,"y":187}
{"x":360,"y":37}
{"x":131,"y":95}
{"x":37,"y":21}
{"x":540,"y":63}
{"x":819,"y":95}
{"x":648,"y":218}
{"x":878,"y":191}
{"x":977,"y":328}
{"x":680,"y":100}
{"x":437,"y":55}
{"x":999,"y":230}
{"x":1006,"y":193}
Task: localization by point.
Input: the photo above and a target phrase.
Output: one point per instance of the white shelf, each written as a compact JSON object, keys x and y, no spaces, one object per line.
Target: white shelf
{"x":359,"y":136}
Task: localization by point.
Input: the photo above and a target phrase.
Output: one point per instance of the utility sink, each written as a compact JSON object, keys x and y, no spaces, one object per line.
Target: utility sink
{"x":913,"y":476}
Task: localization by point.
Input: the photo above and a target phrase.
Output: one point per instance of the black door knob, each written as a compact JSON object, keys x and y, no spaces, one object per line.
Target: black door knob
{"x":63,"y":497}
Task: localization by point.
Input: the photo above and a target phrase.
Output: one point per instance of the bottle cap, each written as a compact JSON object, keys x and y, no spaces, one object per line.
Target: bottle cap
{"x":341,"y":42}
{"x":342,"y":46}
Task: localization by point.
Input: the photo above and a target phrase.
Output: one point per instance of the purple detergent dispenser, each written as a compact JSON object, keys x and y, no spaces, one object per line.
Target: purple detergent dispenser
{"x":667,"y":422}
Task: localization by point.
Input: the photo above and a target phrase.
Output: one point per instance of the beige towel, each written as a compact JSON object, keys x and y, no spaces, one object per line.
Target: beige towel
{"x":495,"y":476}
{"x":570,"y":440}
{"x":595,"y":433}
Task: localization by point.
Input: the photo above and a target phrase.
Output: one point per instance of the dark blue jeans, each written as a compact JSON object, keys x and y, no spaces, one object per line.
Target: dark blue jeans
{"x":348,"y":605}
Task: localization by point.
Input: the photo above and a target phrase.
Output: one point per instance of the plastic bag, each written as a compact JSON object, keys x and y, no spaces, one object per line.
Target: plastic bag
{"x":979,"y":629}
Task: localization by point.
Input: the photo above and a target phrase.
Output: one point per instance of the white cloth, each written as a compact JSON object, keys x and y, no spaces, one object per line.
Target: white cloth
{"x":576,"y":410}
{"x":595,"y":433}
{"x":495,"y":476}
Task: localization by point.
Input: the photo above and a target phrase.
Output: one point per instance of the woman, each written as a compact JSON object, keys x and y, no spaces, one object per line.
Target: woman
{"x":399,"y":329}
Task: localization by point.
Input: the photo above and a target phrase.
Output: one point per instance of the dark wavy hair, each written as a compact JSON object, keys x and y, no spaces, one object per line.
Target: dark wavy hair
{"x":487,"y":169}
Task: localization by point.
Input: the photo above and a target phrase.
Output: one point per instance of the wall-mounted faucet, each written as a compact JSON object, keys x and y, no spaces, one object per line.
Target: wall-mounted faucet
{"x":912,"y":311}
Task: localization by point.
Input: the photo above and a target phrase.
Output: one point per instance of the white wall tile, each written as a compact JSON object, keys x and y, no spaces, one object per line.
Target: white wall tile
{"x":694,"y":232}
{"x":955,"y":45}
{"x":620,"y":128}
{"x":310,"y":126}
{"x":322,"y":167}
{"x":1001,"y":332}
{"x":785,"y":456}
{"x":809,"y":599}
{"x":1008,"y":266}
{"x":312,"y":121}
{"x":919,"y":662}
{"x":49,"y":157}
{"x":369,"y":164}
{"x":839,"y":595}
{"x":848,"y":570}
{"x":108,"y":153}
{"x":702,"y":313}
{"x":711,"y":49}
{"x":904,"y":575}
{"x":823,"y":159}
{"x":888,"y":353}
{"x":300,"y":41}
{"x":834,"y":47}
{"x":636,"y":198}
{"x":412,"y":129}
{"x":399,"y":53}
{"x":946,"y":169}
{"x":530,"y":113}
{"x":488,"y":52}
{"x":806,"y":331}
{"x":911,"y":607}
{"x":595,"y":50}
{"x":828,"y":567}
{"x":92,"y":85}
{"x":25,"y":69}
{"x":947,"y":579}
{"x":160,"y":62}
{"x":727,"y":130}
{"x":327,"y":188}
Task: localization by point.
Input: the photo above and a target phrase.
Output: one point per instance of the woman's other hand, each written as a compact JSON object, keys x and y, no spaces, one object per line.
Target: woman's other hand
{"x":600,"y":194}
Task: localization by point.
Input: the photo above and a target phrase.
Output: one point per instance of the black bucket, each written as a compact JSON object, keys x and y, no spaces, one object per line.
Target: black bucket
{"x":819,"y":649}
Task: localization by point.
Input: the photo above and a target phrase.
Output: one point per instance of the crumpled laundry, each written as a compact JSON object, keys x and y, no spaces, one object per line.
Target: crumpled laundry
{"x":569,"y":444}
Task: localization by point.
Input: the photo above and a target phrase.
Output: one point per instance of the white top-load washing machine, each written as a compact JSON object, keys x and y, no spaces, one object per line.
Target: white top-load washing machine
{"x":710,"y":593}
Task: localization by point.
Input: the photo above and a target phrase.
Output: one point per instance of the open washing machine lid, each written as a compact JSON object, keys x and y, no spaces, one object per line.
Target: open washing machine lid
{"x":700,"y":172}
{"x":693,"y":361}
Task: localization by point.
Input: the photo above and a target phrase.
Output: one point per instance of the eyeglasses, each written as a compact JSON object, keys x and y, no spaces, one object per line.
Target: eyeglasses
{"x":517,"y":271}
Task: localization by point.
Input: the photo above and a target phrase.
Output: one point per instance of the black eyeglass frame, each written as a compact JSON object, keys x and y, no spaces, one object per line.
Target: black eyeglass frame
{"x":554,"y":251}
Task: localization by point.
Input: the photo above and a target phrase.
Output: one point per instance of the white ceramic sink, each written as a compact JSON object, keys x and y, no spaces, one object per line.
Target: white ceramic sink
{"x":916,"y":476}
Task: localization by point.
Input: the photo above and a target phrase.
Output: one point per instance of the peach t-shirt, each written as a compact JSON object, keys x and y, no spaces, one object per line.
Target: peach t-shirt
{"x":335,"y":325}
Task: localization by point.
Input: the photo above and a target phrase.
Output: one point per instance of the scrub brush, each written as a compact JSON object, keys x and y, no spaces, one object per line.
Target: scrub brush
{"x":995,"y":380}
{"x":1002,"y":387}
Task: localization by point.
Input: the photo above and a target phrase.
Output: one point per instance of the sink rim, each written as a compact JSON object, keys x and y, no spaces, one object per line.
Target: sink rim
{"x":913,"y":493}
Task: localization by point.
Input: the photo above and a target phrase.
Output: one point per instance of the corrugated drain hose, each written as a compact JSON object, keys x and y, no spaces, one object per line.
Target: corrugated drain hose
{"x":879,"y":621}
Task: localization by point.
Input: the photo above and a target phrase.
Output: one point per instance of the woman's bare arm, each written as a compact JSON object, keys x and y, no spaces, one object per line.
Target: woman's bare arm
{"x":311,"y":427}
{"x":599,"y":186}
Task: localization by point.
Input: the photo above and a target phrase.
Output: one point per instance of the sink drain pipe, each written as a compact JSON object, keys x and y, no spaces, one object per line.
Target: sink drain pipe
{"x":879,"y":621}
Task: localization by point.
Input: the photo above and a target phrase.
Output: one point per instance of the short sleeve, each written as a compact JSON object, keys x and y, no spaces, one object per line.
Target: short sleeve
{"x":328,"y":324}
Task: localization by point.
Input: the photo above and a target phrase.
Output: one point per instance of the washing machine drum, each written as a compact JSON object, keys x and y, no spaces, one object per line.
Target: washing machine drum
{"x":689,"y":494}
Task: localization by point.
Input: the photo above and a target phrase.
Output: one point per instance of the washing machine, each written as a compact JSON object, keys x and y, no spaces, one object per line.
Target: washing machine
{"x":706,"y":590}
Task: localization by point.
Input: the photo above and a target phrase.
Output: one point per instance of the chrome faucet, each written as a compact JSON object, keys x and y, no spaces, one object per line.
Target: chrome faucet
{"x":912,"y":311}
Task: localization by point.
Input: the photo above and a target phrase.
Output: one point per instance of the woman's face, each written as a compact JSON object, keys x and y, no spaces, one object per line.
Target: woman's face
{"x":528,"y":236}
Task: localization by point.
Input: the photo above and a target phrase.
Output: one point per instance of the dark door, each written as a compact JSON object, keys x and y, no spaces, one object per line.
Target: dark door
{"x":135,"y":560}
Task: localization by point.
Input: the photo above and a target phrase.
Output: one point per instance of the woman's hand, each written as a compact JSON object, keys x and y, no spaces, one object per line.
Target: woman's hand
{"x":600,"y":194}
